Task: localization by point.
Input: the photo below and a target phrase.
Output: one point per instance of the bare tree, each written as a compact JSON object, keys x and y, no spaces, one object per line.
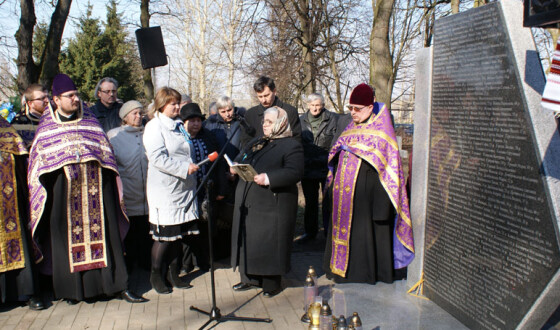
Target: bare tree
{"x":313,"y":41}
{"x":28,"y":71}
{"x":235,"y":30}
{"x":6,"y":80}
{"x":405,"y":30}
{"x":381,"y":64}
{"x":340,"y":41}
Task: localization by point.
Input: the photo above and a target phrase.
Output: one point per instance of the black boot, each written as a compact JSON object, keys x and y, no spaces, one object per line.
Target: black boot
{"x":174,"y":279}
{"x":157,"y":282}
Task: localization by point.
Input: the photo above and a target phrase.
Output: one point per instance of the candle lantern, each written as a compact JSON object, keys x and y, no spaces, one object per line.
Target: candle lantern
{"x":342,"y":323}
{"x":311,"y":271}
{"x":326,"y":316}
{"x":314,"y":313}
{"x":309,"y":293}
{"x":356,"y":321}
{"x":334,"y":323}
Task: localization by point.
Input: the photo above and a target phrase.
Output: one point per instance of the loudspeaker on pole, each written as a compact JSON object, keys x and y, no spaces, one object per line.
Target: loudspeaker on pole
{"x":151,"y":47}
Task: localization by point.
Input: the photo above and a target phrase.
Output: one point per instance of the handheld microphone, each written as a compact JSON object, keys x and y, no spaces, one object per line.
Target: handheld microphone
{"x":211,"y":157}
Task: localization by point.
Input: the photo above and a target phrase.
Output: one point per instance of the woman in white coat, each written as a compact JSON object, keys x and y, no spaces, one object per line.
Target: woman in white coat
{"x":170,"y":187}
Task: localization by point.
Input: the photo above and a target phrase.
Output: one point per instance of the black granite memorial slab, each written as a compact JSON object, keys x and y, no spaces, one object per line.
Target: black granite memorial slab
{"x":490,"y":245}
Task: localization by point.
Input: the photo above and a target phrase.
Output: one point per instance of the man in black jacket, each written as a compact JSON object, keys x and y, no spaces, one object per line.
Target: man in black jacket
{"x":318,"y":127}
{"x":35,"y":101}
{"x":106,"y":109}
{"x":266,"y":93}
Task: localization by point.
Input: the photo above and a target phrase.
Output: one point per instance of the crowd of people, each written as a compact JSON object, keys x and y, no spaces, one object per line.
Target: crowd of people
{"x":91,"y":193}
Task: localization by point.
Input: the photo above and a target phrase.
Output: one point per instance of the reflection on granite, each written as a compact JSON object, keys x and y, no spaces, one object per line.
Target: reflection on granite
{"x":382,"y":306}
{"x":386,"y":306}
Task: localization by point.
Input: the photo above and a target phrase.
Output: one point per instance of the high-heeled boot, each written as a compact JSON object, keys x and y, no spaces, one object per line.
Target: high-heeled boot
{"x":157,"y":281}
{"x":174,"y":279}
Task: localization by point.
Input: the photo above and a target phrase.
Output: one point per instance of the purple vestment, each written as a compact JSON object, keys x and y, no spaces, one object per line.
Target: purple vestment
{"x":11,"y":242}
{"x":375,"y":143}
{"x":81,"y":149}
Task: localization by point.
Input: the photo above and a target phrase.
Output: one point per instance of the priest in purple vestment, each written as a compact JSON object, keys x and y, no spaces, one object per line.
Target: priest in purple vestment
{"x":18,"y":280}
{"x":371,"y":232}
{"x":77,"y":220}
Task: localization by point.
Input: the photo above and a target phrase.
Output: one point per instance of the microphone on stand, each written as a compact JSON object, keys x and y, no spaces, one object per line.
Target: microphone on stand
{"x":211,"y":157}
{"x":248,"y":128}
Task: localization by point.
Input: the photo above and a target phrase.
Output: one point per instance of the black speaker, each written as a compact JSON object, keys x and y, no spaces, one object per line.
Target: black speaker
{"x":151,"y":47}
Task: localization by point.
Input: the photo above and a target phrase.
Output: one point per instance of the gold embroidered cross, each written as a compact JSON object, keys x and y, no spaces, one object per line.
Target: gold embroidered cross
{"x":11,"y":225}
{"x":95,"y":228}
{"x":93,"y":190}
{"x":75,"y":193}
{"x":77,"y":230}
{"x":8,"y":189}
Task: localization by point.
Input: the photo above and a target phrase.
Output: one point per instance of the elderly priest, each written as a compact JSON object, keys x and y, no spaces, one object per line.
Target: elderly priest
{"x":370,"y":235}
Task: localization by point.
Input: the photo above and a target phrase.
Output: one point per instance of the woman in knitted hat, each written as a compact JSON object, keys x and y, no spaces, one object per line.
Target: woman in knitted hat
{"x":133,"y":165}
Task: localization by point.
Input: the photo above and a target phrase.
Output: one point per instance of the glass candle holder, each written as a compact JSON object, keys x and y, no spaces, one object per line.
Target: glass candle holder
{"x":309,"y":293}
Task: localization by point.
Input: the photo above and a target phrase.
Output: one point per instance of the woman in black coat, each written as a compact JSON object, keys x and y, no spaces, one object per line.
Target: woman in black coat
{"x":265,"y":210}
{"x":195,"y":247}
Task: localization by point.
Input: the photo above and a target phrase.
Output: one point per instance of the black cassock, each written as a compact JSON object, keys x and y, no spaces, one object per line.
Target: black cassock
{"x":53,"y":239}
{"x":371,"y":233}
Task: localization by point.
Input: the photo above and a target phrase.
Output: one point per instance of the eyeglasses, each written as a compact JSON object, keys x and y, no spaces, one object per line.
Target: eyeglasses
{"x":71,"y":96}
{"x":355,"y":109}
{"x":46,"y":97}
{"x":109,"y":91}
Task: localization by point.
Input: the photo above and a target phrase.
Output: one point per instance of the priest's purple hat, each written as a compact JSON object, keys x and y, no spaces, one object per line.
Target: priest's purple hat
{"x":61,"y":84}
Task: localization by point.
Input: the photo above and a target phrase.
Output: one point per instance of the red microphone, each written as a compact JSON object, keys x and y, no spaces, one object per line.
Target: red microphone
{"x":212,"y":157}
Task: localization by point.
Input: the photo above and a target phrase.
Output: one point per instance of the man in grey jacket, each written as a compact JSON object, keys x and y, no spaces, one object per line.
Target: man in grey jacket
{"x":318,"y":126}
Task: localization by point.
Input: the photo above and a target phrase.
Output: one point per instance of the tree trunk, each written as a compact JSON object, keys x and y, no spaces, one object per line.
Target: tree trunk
{"x":455,"y":6}
{"x":202,"y":64}
{"x":336,"y":76}
{"x":307,"y":42}
{"x":49,"y":59}
{"x":231,"y":67}
{"x":28,"y":72}
{"x":146,"y":74}
{"x":478,"y":3}
{"x":381,"y":62}
{"x":232,"y":28}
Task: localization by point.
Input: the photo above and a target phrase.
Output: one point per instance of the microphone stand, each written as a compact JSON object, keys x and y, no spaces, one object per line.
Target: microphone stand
{"x":214,"y":314}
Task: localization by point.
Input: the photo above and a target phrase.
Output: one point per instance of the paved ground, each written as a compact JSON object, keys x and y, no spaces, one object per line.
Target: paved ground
{"x":381,"y":306}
